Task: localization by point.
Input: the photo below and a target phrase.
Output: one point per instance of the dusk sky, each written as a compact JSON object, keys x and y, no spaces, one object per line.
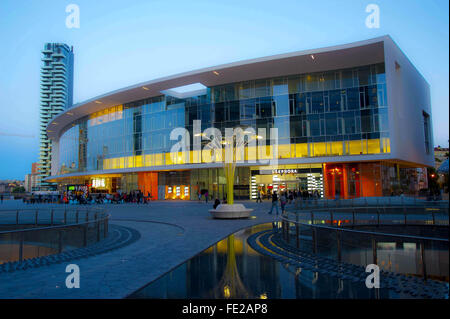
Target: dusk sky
{"x":121,"y":43}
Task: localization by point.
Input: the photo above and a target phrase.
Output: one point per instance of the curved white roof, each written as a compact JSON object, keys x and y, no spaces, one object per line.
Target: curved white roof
{"x":330,"y":58}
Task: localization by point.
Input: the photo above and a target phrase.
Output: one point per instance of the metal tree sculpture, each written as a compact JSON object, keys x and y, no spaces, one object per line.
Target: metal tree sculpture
{"x":233,"y":152}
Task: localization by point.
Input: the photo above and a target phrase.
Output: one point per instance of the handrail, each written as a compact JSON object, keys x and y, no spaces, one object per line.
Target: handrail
{"x":365,"y":232}
{"x":372,"y":235}
{"x":301,"y":203}
{"x":56,"y":226}
{"x":100,"y":218}
{"x":79,"y":208}
{"x":370,"y":208}
{"x":379,"y":211}
{"x":374,"y":207}
{"x":52,"y":211}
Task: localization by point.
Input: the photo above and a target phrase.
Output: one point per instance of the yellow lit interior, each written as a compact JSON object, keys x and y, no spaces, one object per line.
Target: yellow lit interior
{"x":357,"y":147}
{"x":107,"y":115}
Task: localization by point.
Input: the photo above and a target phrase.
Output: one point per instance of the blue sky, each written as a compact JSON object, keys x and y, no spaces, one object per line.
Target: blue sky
{"x":120,"y":43}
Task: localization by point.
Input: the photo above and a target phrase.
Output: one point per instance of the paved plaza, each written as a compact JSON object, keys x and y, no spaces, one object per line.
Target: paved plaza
{"x":153,"y":239}
{"x":170,"y":233}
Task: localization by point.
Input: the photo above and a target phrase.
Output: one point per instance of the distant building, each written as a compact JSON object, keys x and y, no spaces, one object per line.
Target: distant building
{"x":34,"y":168}
{"x":56,"y":96}
{"x":440,"y":155}
{"x":7,"y":186}
{"x":32,"y":180}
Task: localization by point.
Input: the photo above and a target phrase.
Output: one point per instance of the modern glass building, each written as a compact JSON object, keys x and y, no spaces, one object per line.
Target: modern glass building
{"x":352,"y":120}
{"x":56,"y":96}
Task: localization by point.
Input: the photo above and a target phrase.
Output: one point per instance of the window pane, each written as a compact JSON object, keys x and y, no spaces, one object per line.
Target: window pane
{"x":353,"y":99}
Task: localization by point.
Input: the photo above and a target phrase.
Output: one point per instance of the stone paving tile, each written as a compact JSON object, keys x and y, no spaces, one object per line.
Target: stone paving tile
{"x":118,"y":273}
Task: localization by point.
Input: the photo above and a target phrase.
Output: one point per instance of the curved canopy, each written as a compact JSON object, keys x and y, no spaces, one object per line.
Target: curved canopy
{"x":317,"y":60}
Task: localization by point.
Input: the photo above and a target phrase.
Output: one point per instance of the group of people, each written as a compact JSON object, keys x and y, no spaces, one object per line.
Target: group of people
{"x":283,"y":199}
{"x":292,"y":195}
{"x":210,"y":197}
{"x":289,"y":197}
{"x":206,"y":193}
{"x":83,"y":198}
{"x":136,"y":197}
{"x":41,"y":199}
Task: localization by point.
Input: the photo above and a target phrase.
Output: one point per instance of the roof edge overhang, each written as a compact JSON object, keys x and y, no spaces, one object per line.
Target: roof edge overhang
{"x":354,"y":54}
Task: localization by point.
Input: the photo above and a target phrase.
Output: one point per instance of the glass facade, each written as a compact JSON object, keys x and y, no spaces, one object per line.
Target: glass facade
{"x":325,"y":114}
{"x":340,"y":112}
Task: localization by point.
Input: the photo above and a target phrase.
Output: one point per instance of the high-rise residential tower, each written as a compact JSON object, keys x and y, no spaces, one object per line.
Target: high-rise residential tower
{"x":56,"y":96}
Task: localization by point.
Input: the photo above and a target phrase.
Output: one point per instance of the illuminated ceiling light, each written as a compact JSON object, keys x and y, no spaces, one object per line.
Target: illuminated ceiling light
{"x":69,"y":113}
{"x":98,"y":102}
{"x":216,"y":73}
{"x":145,"y":88}
{"x":49,"y":131}
{"x":312,"y":56}
{"x":54,"y":123}
{"x":257,"y":137}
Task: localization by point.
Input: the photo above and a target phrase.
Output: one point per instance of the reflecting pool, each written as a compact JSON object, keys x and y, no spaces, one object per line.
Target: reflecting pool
{"x":232,"y":269}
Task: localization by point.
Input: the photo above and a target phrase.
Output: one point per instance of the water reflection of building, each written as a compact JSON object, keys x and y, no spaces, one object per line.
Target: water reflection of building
{"x":231,"y":269}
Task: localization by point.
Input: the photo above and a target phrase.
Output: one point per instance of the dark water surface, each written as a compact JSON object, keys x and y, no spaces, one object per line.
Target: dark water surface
{"x":232,"y":269}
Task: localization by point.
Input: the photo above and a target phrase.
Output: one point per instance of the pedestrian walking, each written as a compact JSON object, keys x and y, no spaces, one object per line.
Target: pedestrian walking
{"x":206,"y":197}
{"x":283,"y":201}
{"x":274,"y":202}
{"x":258,"y":198}
{"x":337,"y":195}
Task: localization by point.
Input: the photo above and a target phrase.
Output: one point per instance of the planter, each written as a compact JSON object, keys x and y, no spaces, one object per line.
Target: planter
{"x":230,"y":211}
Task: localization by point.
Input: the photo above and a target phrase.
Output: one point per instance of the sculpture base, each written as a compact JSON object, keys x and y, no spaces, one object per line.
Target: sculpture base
{"x":226,"y":211}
